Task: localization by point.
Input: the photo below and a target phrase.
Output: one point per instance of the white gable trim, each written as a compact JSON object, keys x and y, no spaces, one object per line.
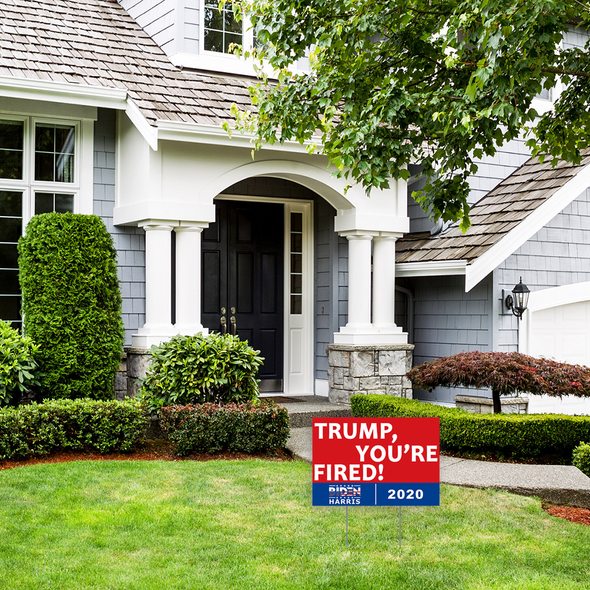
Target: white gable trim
{"x":145,"y":129}
{"x":526,"y":229}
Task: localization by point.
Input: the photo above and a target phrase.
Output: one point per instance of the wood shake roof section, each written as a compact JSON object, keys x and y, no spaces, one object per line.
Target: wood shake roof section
{"x":494,"y":216}
{"x":96,"y":43}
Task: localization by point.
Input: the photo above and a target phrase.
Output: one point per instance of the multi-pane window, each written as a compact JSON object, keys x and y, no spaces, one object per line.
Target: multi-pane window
{"x":37,"y":162}
{"x":54,"y":153}
{"x":11,"y":149}
{"x":11,"y":222}
{"x":222,"y":28}
{"x":53,"y":202}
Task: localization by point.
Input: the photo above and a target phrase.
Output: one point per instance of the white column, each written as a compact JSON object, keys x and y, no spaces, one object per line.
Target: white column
{"x":158,"y":286}
{"x":383,"y":281}
{"x":188,"y":278}
{"x":359,"y":281}
{"x":360,"y":330}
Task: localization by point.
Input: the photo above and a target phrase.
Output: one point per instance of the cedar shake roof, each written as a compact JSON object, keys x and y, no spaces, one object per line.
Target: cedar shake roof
{"x":496,"y":214}
{"x":96,"y":43}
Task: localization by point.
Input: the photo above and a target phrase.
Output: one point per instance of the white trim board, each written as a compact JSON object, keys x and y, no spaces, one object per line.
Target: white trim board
{"x":215,"y":134}
{"x":526,"y":229}
{"x":431,"y":268}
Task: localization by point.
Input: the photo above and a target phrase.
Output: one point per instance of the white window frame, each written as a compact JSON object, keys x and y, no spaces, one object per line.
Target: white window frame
{"x":247,"y":37}
{"x":81,"y":188}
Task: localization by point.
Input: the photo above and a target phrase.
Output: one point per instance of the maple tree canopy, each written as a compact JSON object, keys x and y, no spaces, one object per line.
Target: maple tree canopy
{"x":436,"y":83}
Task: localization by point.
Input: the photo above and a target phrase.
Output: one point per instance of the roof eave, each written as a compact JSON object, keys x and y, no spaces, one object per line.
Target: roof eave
{"x":64,"y":92}
{"x":217,"y":135}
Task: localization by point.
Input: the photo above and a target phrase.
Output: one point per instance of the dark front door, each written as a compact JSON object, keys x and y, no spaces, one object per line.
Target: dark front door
{"x":242,"y":282}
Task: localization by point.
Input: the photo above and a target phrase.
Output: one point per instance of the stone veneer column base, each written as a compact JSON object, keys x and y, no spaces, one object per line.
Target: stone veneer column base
{"x":138,"y":362}
{"x":368,"y":369}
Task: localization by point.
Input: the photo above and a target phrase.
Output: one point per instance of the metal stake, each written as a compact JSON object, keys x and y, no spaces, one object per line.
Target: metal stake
{"x":400,"y":526}
{"x":347,"y":526}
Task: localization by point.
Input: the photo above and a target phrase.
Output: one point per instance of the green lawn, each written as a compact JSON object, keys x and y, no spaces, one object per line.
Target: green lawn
{"x":250,"y":524}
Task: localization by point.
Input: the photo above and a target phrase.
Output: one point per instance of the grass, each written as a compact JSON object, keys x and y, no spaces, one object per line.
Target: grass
{"x":250,"y":524}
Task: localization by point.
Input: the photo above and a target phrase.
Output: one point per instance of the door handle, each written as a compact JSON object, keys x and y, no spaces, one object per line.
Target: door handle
{"x":233,"y":321}
{"x":223,"y":321}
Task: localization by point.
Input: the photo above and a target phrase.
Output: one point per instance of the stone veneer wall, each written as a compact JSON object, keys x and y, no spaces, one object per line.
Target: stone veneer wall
{"x":368,"y":369}
{"x":484,"y":405}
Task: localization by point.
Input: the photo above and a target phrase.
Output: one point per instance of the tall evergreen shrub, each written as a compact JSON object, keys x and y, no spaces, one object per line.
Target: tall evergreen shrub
{"x":72,"y":304}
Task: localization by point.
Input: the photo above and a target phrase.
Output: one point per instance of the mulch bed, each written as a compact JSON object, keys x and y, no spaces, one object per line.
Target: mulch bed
{"x":152,"y":450}
{"x":577,"y":515}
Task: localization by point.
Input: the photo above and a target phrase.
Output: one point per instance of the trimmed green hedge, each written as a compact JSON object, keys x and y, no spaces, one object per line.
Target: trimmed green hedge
{"x":72,"y":304}
{"x":516,"y":435}
{"x":582,"y":458}
{"x":210,"y":428}
{"x":40,"y":429}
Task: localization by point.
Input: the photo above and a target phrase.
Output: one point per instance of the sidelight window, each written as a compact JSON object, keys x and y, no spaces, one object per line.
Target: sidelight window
{"x":296,"y":263}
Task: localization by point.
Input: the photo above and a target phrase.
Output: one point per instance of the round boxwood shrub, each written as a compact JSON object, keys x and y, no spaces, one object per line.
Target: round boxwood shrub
{"x":18,"y":366}
{"x":72,"y":304}
{"x":198,"y":369}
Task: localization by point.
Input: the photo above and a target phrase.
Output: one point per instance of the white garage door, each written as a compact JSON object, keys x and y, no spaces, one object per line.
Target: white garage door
{"x":561,"y":333}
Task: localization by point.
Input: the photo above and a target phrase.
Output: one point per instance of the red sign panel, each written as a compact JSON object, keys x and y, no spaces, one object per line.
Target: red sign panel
{"x":372,"y":454}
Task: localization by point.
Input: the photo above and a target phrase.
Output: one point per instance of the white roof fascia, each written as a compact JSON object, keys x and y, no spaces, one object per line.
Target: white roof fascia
{"x":212,"y":134}
{"x":527,"y":228}
{"x":431,"y":268}
{"x":78,"y":94}
{"x":149,"y":133}
{"x":63,"y":92}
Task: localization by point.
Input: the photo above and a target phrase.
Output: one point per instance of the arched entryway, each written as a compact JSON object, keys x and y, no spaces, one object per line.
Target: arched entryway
{"x":257,"y":277}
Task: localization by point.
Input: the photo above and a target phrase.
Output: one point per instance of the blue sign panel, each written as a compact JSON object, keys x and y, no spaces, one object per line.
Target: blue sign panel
{"x":376,"y":494}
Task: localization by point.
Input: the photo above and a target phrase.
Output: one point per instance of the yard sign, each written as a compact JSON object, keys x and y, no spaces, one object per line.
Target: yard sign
{"x":376,"y":462}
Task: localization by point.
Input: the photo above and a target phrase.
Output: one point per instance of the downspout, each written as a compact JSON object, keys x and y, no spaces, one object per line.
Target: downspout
{"x":409,"y":311}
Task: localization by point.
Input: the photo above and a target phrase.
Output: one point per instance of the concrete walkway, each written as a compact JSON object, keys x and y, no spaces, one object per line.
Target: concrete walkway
{"x":559,"y":484}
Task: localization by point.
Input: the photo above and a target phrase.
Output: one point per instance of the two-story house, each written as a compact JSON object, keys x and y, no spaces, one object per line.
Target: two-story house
{"x":115,"y":108}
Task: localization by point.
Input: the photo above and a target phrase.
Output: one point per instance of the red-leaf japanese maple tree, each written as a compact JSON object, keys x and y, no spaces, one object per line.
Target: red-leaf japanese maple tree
{"x":504,"y":373}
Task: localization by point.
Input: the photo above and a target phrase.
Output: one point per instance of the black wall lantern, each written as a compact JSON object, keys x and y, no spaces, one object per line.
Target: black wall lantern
{"x":519,"y":299}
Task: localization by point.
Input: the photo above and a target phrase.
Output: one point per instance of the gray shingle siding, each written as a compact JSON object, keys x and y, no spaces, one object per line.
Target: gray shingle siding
{"x":449,"y":321}
{"x":157,"y":19}
{"x":326,"y":272}
{"x":129,"y":241}
{"x":492,"y":170}
{"x":558,"y":254}
{"x":575,"y":38}
{"x":173,"y":24}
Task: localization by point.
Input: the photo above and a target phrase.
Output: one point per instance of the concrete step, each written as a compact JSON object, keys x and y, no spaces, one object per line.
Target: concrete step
{"x":304,"y":408}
